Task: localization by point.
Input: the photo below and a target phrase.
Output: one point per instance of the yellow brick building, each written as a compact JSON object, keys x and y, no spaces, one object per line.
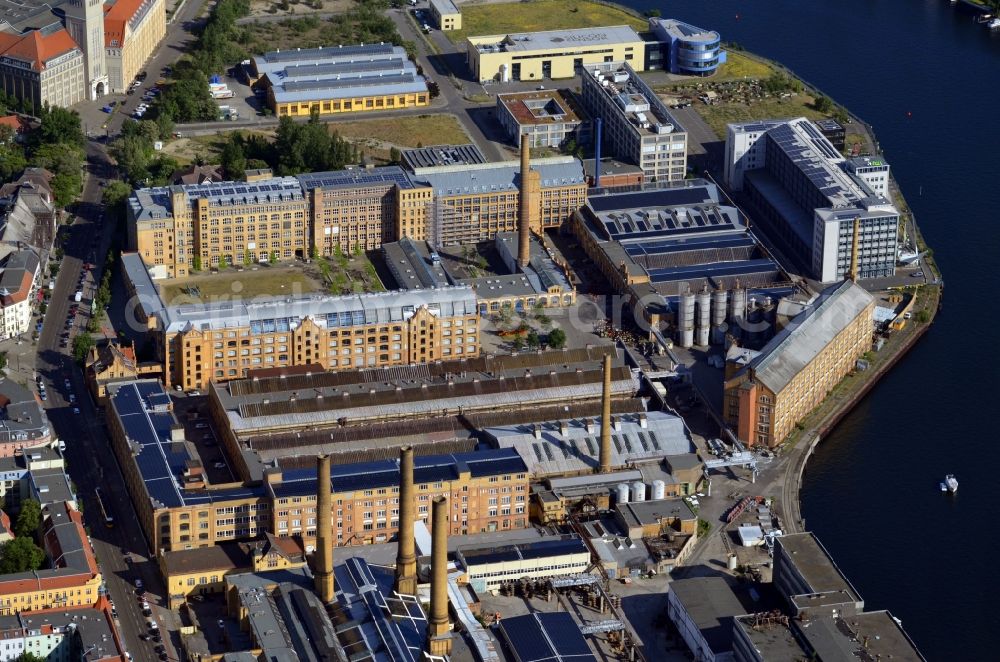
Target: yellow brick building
{"x":344,"y":79}
{"x":798,"y":368}
{"x":176,"y":507}
{"x":132,"y":31}
{"x":446,"y":15}
{"x":553,"y":54}
{"x":198,"y":344}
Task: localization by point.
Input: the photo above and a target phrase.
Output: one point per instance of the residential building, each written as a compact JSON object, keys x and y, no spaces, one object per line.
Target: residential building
{"x":474,"y":202}
{"x":18,"y":278}
{"x":222,"y":341}
{"x":74,"y":578}
{"x":552,"y":54}
{"x":638,"y":128}
{"x":23,"y":472}
{"x":341,"y":79}
{"x":489,"y":568}
{"x":446,"y":15}
{"x":175,"y":506}
{"x":362,"y":208}
{"x":811,"y":202}
{"x":687,"y":50}
{"x":132,"y":31}
{"x":798,"y":367}
{"x":547,"y":118}
{"x":486,"y":491}
{"x":179,"y":229}
{"x":67,"y":51}
{"x":27,"y":213}
{"x":23,"y":422}
{"x":113,"y":362}
{"x":59,"y":634}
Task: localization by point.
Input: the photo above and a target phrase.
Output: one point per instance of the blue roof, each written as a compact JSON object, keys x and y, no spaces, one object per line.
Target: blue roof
{"x":385,"y":473}
{"x":695,"y":244}
{"x":715,"y":269}
{"x":666,"y":197}
{"x":545,"y":637}
{"x":355,"y":177}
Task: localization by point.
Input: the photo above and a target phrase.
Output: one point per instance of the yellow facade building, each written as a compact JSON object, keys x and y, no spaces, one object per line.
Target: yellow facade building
{"x":775,"y":389}
{"x":553,"y":54}
{"x":176,"y":507}
{"x":343,"y":79}
{"x":446,"y":15}
{"x":219,"y":342}
{"x":132,"y":31}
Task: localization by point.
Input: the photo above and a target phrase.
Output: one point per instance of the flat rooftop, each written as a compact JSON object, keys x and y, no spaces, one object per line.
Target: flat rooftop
{"x":527,"y":42}
{"x":498,"y":176}
{"x":442,"y":155}
{"x":541,"y":107}
{"x":355,"y":178}
{"x":815,"y":564}
{"x":872,"y":635}
{"x":684,"y":31}
{"x":641,"y":513}
{"x":711,"y":605}
{"x":541,"y":549}
{"x":220,"y":556}
{"x":545,"y":637}
{"x":633,"y":99}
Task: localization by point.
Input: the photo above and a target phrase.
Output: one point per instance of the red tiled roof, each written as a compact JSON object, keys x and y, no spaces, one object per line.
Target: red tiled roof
{"x":21,"y":293}
{"x":116,"y":18}
{"x":36,"y":48}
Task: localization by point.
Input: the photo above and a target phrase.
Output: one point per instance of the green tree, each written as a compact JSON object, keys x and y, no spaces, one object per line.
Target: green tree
{"x":272,"y":257}
{"x":66,"y":188}
{"x":28,"y":656}
{"x":557,"y":339}
{"x":247,"y":259}
{"x":196,"y":263}
{"x":12,"y":161}
{"x":59,"y":126}
{"x":81,"y":346}
{"x":233,"y":158}
{"x":29,"y":519}
{"x":823,"y":104}
{"x":223,"y":262}
{"x":532,"y":339}
{"x":3,"y":360}
{"x":166,"y":126}
{"x":395,"y":156}
{"x":20,"y":555}
{"x":116,"y":193}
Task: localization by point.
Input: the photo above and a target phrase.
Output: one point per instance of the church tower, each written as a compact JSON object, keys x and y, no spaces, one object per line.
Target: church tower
{"x":85,"y":23}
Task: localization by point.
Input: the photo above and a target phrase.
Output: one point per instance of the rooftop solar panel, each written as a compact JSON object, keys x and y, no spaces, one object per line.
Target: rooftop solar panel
{"x":660,"y":198}
{"x":713,"y":270}
{"x":545,"y":637}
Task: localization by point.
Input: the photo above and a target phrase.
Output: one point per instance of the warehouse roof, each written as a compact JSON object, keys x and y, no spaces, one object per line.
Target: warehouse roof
{"x":267,"y":315}
{"x":498,"y":176}
{"x":385,"y":473}
{"x":568,"y":446}
{"x":545,"y":637}
{"x":540,"y":549}
{"x":795,"y":346}
{"x":442,"y":155}
{"x":148,"y":298}
{"x":558,"y":39}
{"x":711,"y":605}
{"x":355,"y":177}
{"x":875,"y":635}
{"x":371,"y":84}
{"x":807,"y":554}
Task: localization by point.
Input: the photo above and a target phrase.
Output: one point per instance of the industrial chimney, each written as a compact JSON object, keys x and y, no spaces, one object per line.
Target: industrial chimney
{"x":606,"y":418}
{"x":406,"y":557}
{"x":527,"y":203}
{"x":324,"y":530}
{"x":438,"y":627}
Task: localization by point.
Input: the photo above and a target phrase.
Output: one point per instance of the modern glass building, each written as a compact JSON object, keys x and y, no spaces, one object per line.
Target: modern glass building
{"x":690,"y":51}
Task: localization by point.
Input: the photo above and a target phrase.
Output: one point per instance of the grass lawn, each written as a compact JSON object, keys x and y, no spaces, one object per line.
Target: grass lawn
{"x":738,"y":66}
{"x":718,"y":116}
{"x":377,"y":136}
{"x":266,"y":281}
{"x":346,"y":274}
{"x":186,"y":150}
{"x":536,"y":15}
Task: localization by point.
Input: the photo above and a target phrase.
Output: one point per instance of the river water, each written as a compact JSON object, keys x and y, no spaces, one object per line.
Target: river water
{"x":928,"y":79}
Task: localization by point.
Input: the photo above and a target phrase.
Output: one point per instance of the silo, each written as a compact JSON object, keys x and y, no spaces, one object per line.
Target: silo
{"x":732,"y":562}
{"x":638,"y":491}
{"x":659,"y":490}
{"x":719,"y":299}
{"x":704,"y":315}
{"x":622,"y":493}
{"x":687,"y":319}
{"x":738,"y":309}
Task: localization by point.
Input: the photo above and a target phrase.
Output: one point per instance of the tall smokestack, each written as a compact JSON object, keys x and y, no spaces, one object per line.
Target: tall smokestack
{"x":527,"y":203}
{"x":606,"y":418}
{"x":597,"y":152}
{"x":324,"y":530}
{"x":406,"y":556}
{"x":438,"y":632}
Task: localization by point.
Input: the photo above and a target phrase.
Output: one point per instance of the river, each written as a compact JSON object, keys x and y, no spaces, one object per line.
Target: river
{"x":928,"y":79}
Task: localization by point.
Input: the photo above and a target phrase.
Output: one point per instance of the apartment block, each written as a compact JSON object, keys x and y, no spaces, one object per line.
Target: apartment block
{"x":132,"y":31}
{"x":638,"y":128}
{"x":766,"y":396}
{"x":176,"y":507}
{"x":486,"y":491}
{"x":548,"y":118}
{"x":225,"y":340}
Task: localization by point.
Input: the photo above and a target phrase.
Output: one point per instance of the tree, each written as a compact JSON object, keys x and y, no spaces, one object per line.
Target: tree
{"x":29,"y":519}
{"x":28,"y":656}
{"x":81,"y":346}
{"x":532,"y":339}
{"x":395,"y":156}
{"x":557,"y":339}
{"x":196,"y":263}
{"x":823,"y":104}
{"x":247,"y":260}
{"x":12,"y":161}
{"x":20,"y":555}
{"x":116,"y":193}
{"x":223,"y":263}
{"x":233,"y":158}
{"x":59,"y":126}
{"x":66,"y":188}
{"x":272,"y":257}
{"x":3,"y":360}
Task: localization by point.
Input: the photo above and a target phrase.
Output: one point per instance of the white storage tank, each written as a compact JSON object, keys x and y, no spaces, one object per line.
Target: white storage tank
{"x":638,"y":491}
{"x":622,"y":493}
{"x":659,"y":490}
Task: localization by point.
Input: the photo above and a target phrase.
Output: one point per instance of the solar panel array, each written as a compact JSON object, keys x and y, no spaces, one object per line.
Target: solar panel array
{"x":545,"y":637}
{"x":716,"y":270}
{"x":347,"y":83}
{"x":354,"y":177}
{"x":815,"y":157}
{"x":329,"y":51}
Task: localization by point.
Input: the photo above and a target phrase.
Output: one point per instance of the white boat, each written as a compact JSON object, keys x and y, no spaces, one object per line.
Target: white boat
{"x":950,"y":484}
{"x":994,"y":24}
